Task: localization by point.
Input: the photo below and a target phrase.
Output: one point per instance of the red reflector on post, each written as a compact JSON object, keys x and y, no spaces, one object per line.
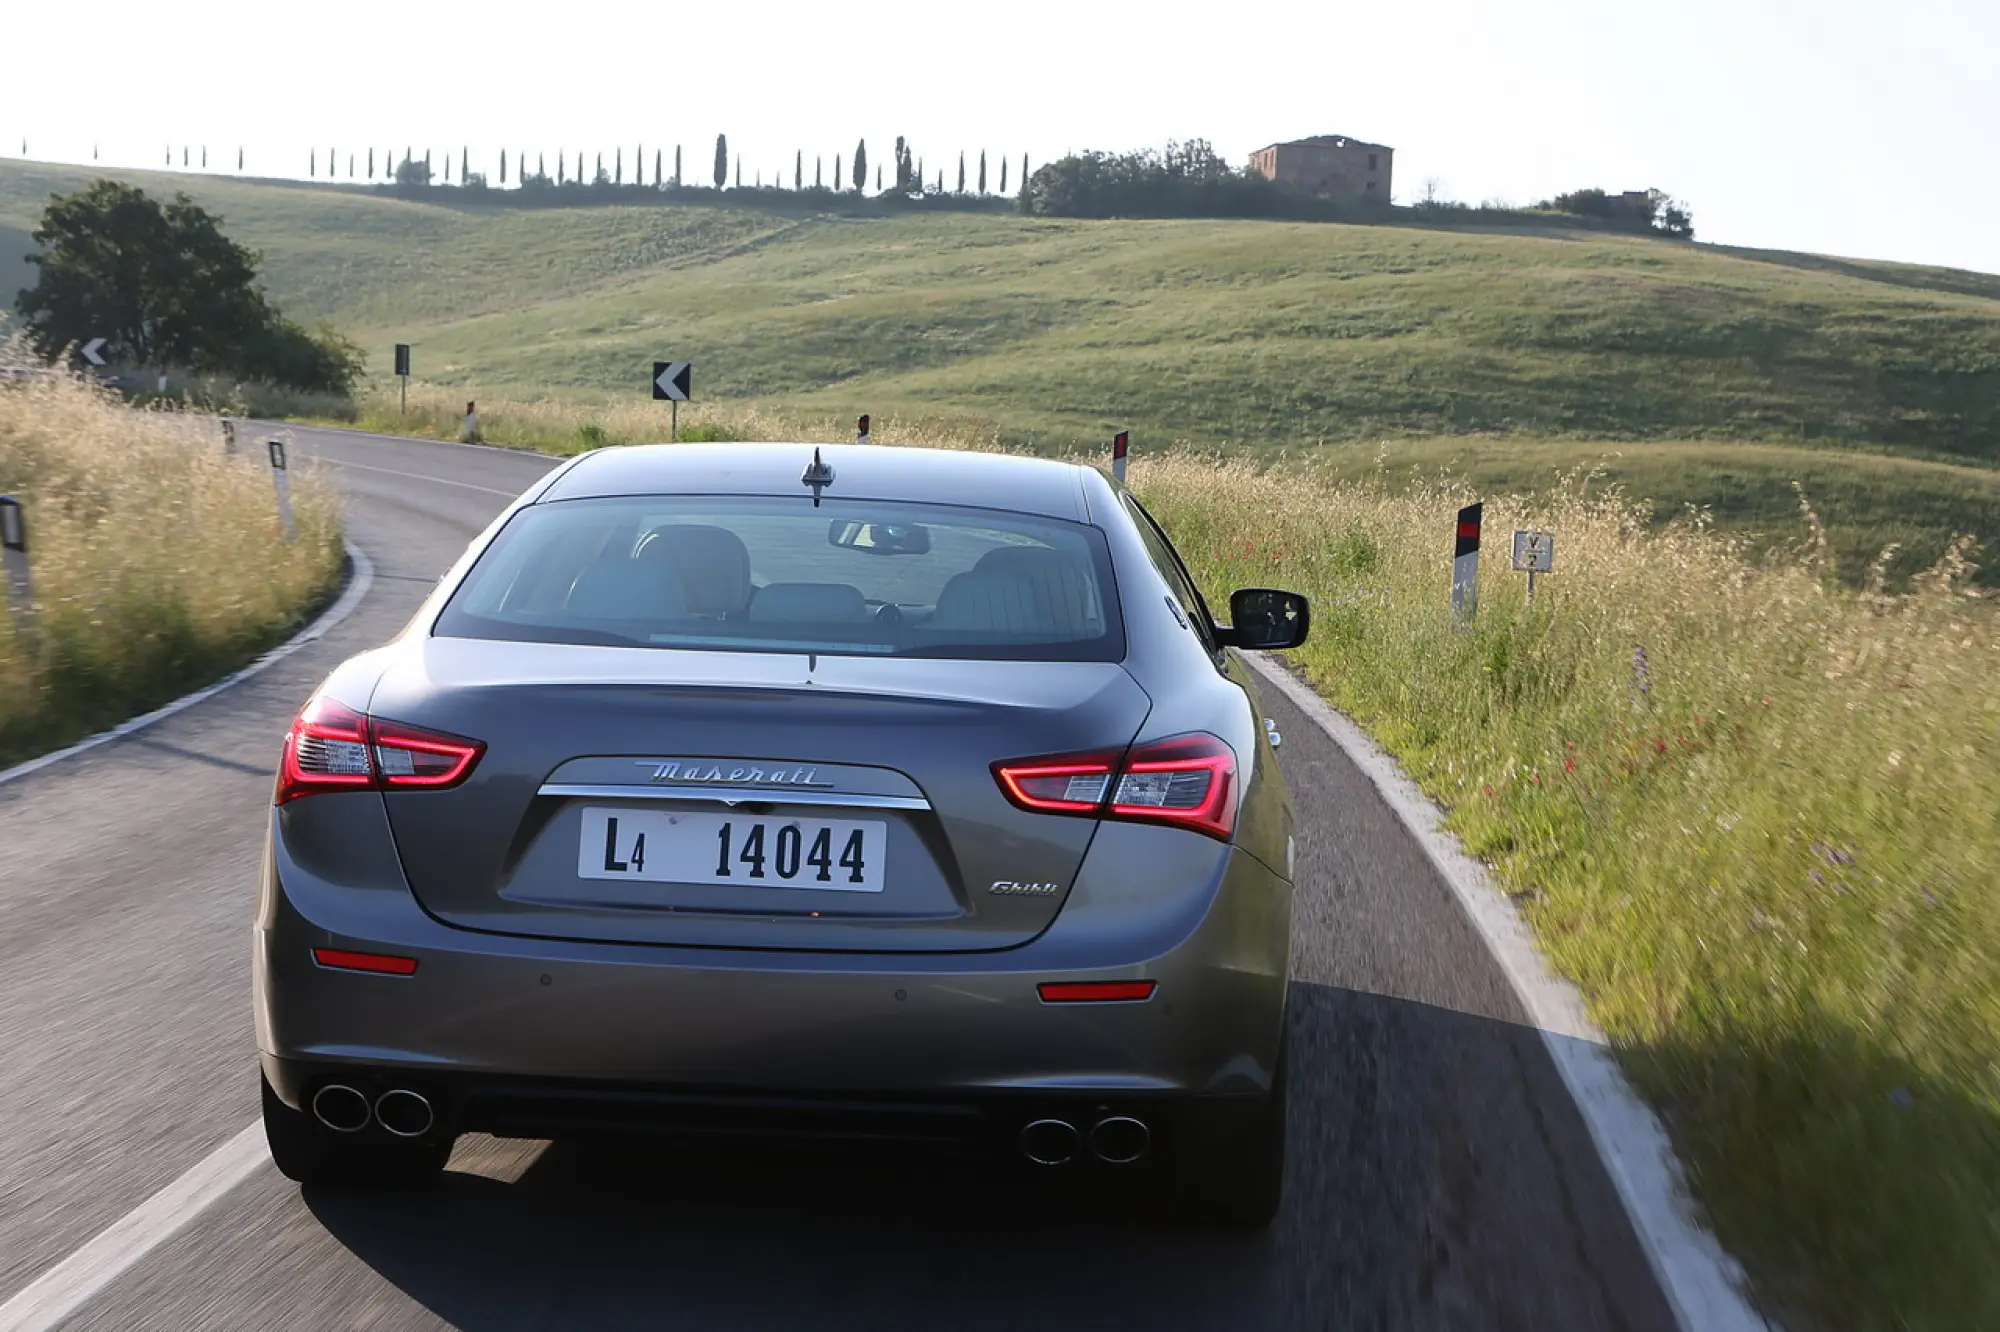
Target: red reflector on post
{"x":1095,"y":992}
{"x":380,"y":964}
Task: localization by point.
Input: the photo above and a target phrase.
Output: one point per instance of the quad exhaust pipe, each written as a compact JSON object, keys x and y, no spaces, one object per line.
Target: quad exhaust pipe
{"x":401,"y":1112}
{"x":1119,"y":1139}
{"x":341,"y":1108}
{"x":1050,"y":1142}
{"x":1113,"y":1139}
{"x":404,"y":1113}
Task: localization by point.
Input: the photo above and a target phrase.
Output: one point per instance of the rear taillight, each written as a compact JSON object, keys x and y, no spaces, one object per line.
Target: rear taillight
{"x":332,"y":747}
{"x":1186,"y":780}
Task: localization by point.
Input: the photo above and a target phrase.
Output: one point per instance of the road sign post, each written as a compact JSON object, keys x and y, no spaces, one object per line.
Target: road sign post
{"x":672,"y":382}
{"x":282,"y":479}
{"x":93,"y":351}
{"x":20,"y":583}
{"x":403,"y":373}
{"x":861,"y":430}
{"x":1121,"y":443}
{"x":1465,"y":564}
{"x":1534,"y":553}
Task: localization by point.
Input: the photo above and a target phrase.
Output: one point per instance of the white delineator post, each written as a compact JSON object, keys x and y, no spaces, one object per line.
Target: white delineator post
{"x":282,"y":479}
{"x":1465,"y":563}
{"x":20,"y":582}
{"x":1121,"y":444}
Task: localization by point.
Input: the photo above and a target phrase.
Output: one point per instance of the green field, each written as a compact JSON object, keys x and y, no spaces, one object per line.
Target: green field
{"x":1512,"y":358}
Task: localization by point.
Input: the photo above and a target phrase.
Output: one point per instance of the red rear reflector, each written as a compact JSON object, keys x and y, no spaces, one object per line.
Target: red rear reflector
{"x":1095,"y":992}
{"x":380,"y":963}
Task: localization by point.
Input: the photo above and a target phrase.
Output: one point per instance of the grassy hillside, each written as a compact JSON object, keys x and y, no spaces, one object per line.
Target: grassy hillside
{"x":1511,"y":356}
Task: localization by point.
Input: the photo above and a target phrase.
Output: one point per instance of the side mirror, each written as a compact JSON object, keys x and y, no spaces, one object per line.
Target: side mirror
{"x":879,"y":538}
{"x":1265,"y":619}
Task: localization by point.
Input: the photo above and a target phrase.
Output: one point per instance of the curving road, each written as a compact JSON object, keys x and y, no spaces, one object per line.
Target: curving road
{"x":1441,"y":1177}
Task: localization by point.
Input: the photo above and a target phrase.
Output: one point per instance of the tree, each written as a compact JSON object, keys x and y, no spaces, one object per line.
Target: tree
{"x":164,"y":287}
{"x":413,"y":175}
{"x":677,"y":166}
{"x":982,"y":171}
{"x":659,"y":158}
{"x":503,"y":167}
{"x":447,"y":171}
{"x":836,"y":170}
{"x":239,"y":159}
{"x":1003,"y":175}
{"x":902,"y":158}
{"x":312,"y":162}
{"x":618,"y":171}
{"x":739,"y":171}
{"x":371,"y":162}
{"x":1026,"y":206}
{"x":961,"y":172}
{"x":464,"y":164}
{"x":860,"y":166}
{"x":721,"y":160}
{"x":819,"y":173}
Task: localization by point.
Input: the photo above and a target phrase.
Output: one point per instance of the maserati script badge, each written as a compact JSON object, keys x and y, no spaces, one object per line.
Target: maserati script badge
{"x":1009,"y":888}
{"x":705,"y":772}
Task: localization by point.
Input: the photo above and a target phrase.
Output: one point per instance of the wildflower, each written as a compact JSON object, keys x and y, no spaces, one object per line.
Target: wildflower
{"x":1569,"y":765}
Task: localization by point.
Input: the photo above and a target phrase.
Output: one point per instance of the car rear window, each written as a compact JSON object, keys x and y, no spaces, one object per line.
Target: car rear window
{"x":775,"y":574}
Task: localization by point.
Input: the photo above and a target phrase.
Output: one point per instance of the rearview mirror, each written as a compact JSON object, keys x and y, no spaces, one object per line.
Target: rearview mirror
{"x":1265,"y":619}
{"x":879,"y":538}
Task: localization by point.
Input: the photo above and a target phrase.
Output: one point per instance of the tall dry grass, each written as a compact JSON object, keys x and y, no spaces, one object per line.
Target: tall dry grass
{"x":1755,"y":816}
{"x":158,"y":561}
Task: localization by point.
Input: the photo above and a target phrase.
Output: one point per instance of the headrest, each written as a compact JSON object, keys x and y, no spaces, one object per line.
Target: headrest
{"x":712,"y":562}
{"x":820,"y":603}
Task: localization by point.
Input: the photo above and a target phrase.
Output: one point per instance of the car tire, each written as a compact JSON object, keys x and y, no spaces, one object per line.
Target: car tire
{"x":308,"y":1152}
{"x":1239,"y":1184}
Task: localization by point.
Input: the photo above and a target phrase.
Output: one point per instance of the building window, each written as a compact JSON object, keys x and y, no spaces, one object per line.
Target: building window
{"x":1371,"y":162}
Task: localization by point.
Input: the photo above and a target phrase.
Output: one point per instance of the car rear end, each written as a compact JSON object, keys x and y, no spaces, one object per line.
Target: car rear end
{"x":743,"y":814}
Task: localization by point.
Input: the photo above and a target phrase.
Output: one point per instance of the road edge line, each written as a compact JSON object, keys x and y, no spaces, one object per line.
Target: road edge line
{"x":59,"y":1292}
{"x":360,"y":579}
{"x":1703,"y":1285}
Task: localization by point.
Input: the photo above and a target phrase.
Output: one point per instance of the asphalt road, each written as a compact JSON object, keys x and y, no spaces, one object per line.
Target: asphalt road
{"x":1440,"y":1176}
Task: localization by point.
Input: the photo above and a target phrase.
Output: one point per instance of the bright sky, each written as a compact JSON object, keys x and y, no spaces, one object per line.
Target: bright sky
{"x":1854,"y":127}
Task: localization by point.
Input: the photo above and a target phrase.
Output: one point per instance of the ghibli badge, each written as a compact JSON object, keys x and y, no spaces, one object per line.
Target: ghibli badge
{"x":1010,"y":888}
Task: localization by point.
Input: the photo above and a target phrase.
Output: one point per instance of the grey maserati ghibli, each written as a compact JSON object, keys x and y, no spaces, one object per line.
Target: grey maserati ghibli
{"x":841,"y":794}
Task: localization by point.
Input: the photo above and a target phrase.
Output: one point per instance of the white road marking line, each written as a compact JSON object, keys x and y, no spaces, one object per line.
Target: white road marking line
{"x":66,"y":1287}
{"x":1703,"y":1284}
{"x":357,"y":588}
{"x":418,"y":476}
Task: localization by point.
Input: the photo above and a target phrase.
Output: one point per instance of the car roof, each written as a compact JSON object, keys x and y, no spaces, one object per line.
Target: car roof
{"x":861,"y":471}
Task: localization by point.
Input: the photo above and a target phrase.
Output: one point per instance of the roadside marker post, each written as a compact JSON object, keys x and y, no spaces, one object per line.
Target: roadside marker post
{"x":1121,"y":444}
{"x":20,"y":583}
{"x":228,"y":436}
{"x":1534,"y":552}
{"x":1465,"y":564}
{"x":470,"y":433}
{"x":861,"y":431}
{"x":673,"y":381}
{"x":403,"y":373}
{"x":93,"y":352}
{"x":282,"y":479}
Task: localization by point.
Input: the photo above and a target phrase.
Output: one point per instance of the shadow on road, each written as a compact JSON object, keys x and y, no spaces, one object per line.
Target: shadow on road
{"x":1433,"y":1185}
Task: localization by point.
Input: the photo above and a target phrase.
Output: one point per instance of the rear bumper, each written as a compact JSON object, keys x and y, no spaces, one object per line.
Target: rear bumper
{"x":490,"y":1021}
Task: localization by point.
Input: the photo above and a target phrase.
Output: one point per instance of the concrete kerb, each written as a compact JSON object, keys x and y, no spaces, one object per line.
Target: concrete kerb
{"x":1702,"y":1283}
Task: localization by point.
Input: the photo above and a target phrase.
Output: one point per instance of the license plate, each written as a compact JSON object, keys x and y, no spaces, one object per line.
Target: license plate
{"x":732,"y":850}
